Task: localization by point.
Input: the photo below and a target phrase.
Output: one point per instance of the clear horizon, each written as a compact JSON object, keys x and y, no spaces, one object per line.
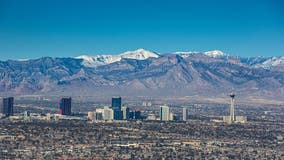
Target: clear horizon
{"x":24,"y":59}
{"x":32,"y":29}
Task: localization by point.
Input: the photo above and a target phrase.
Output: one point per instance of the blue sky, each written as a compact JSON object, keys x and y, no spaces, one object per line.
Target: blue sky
{"x":68,"y":28}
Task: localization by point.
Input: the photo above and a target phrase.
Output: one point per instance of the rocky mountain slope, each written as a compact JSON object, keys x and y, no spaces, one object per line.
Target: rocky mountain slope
{"x":145,"y":73}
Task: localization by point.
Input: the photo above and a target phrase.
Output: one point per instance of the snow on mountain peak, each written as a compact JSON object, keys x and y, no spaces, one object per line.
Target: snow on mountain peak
{"x":185,"y":54}
{"x":271,"y":62}
{"x":215,"y":53}
{"x":274,"y":61}
{"x":22,"y":60}
{"x":97,"y":60}
{"x":139,"y":54}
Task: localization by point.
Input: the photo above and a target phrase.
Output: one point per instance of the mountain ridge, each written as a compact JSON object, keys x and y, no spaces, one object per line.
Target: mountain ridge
{"x":141,"y":54}
{"x":165,"y":75}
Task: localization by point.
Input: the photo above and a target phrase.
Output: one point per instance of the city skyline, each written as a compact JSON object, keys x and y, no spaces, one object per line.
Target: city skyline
{"x":141,"y":79}
{"x":34,"y":29}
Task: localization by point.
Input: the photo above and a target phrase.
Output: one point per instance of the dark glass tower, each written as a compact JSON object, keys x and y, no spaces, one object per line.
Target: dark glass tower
{"x":135,"y":115}
{"x":116,"y":107}
{"x":8,"y":106}
{"x":65,"y":106}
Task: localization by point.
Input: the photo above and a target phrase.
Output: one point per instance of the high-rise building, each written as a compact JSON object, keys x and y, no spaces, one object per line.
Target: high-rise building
{"x":171,"y":116}
{"x":26,"y":114}
{"x":91,"y":115}
{"x":116,"y":103}
{"x":108,"y":113}
{"x":116,"y":106}
{"x":164,"y":113}
{"x":8,"y":106}
{"x":185,"y":114}
{"x":137,"y":115}
{"x":100,"y":113}
{"x":99,"y":116}
{"x":131,"y":115}
{"x":65,"y":106}
{"x":125,"y":112}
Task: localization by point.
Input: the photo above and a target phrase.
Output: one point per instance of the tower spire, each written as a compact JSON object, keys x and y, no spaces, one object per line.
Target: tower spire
{"x":232,"y":108}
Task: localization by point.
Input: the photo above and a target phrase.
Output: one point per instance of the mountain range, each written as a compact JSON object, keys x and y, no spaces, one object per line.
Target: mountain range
{"x":146,"y":73}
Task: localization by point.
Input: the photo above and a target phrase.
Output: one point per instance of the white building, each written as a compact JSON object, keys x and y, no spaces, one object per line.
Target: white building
{"x":185,"y":114}
{"x":125,"y":112}
{"x":171,"y":116}
{"x":164,"y":113}
{"x":91,"y":115}
{"x":108,"y":113}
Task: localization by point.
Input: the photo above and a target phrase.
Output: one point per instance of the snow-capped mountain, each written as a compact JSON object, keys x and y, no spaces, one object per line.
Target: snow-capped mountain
{"x":253,"y":61}
{"x":215,"y":54}
{"x":141,"y":54}
{"x":185,"y":54}
{"x":271,"y":62}
{"x":98,"y":60}
{"x":145,"y":73}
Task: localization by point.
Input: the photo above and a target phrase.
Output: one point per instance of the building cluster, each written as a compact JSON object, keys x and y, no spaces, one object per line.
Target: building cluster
{"x":165,"y":114}
{"x":64,"y":111}
{"x":115,"y":112}
{"x":67,"y":135}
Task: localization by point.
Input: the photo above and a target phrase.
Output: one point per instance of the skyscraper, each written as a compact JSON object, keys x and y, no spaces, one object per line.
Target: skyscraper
{"x":100,"y":113}
{"x":65,"y":106}
{"x":116,"y":106}
{"x":8,"y":106}
{"x":125,"y":112}
{"x":91,"y":115}
{"x":108,"y":113}
{"x":99,"y":116}
{"x":116,"y":103}
{"x":137,"y":115}
{"x":171,"y":116}
{"x":164,"y":113}
{"x":185,"y":114}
